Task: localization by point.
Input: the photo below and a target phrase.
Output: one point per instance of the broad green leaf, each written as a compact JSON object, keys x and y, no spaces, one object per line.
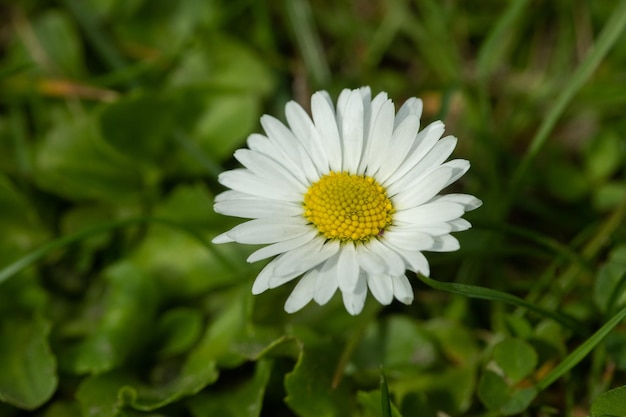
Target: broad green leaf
{"x":453,"y":373}
{"x":139,"y":126}
{"x":62,"y":408}
{"x":518,"y":326}
{"x":245,"y":399}
{"x":178,"y":329}
{"x":74,"y":162}
{"x":398,"y":343}
{"x":59,"y":39}
{"x":98,"y":395}
{"x":616,"y":348}
{"x":608,"y":196}
{"x":28,"y":375}
{"x":217,"y":343}
{"x":610,"y":404}
{"x":610,"y":286}
{"x":370,"y":403}
{"x":164,"y":27}
{"x":225,"y":64}
{"x":226,"y":122}
{"x":516,"y":358}
{"x":181,"y":265}
{"x":497,"y":395}
{"x":129,"y":307}
{"x":605,"y":155}
{"x":20,"y":226}
{"x":199,"y":367}
{"x":408,"y":347}
{"x":566,"y":181}
{"x":549,"y":340}
{"x":106,"y":395}
{"x":310,"y":392}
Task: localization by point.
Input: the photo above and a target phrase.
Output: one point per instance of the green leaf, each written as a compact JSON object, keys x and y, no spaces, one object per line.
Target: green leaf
{"x":60,"y":40}
{"x":179,"y":329}
{"x":604,"y":156}
{"x":225,"y":123}
{"x":609,"y":287}
{"x":107,"y":394}
{"x":566,"y":181}
{"x":245,"y":399}
{"x":73,"y":161}
{"x":28,"y":372}
{"x":139,"y":126}
{"x":20,"y":225}
{"x":610,"y":404}
{"x":516,"y":358}
{"x":616,"y":348}
{"x":310,"y":392}
{"x":370,"y":403}
{"x":497,"y":395}
{"x":400,"y":344}
{"x":224,"y":64}
{"x":129,"y":308}
{"x":181,"y":265}
{"x":228,"y":327}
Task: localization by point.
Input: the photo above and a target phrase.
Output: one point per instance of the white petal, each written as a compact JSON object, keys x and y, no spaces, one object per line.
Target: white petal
{"x":302,"y":294}
{"x":369,"y":261}
{"x":423,"y":144}
{"x":347,"y":268}
{"x":268,"y":168}
{"x":381,"y":287}
{"x":458,"y":225}
{"x":366,"y":93}
{"x":415,"y":260}
{"x":401,"y":141}
{"x":435,"y":229}
{"x":423,"y":190}
{"x":380,"y":136}
{"x":469,"y":202}
{"x":402,"y":289}
{"x":409,"y":238}
{"x":445,"y":243}
{"x":305,"y":257}
{"x":326,"y":124}
{"x":222,"y":238}
{"x":245,"y":181}
{"x":327,"y":282}
{"x":305,"y":131}
{"x":280,"y":247}
{"x":371,"y":112}
{"x":284,"y":137}
{"x":351,"y":118}
{"x":262,"y":281}
{"x":354,"y":300}
{"x":434,"y":212}
{"x":432,"y":161}
{"x":393,"y":262}
{"x":252,"y":208}
{"x":269,"y":230}
{"x":460,"y":166}
{"x":288,"y":157}
{"x":412,"y":106}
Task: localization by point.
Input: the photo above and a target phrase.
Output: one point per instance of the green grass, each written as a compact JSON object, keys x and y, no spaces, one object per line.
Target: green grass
{"x":116,"y":118}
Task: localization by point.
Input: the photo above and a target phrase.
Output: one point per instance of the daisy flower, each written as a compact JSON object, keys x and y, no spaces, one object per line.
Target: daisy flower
{"x":345,"y":199}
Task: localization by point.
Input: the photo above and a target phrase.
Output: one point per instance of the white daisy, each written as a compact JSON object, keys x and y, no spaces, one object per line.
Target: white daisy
{"x":346,"y":199}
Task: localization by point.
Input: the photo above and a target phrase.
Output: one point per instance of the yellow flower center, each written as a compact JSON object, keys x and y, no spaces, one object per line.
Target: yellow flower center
{"x":348,"y":207}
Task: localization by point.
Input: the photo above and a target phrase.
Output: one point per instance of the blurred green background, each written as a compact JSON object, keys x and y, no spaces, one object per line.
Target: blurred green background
{"x":116,"y":116}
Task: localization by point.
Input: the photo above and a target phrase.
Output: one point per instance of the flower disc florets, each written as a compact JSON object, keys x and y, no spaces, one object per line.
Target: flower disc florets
{"x":348,"y":207}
